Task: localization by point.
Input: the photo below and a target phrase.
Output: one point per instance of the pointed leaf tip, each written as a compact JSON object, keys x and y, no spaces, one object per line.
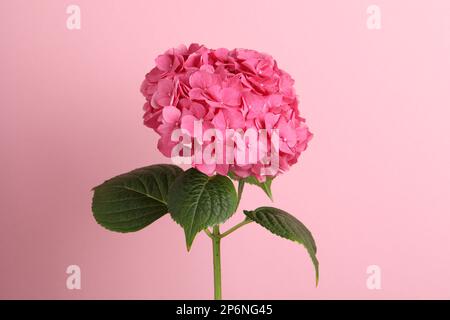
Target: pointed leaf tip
{"x":196,"y":201}
{"x":286,"y":226}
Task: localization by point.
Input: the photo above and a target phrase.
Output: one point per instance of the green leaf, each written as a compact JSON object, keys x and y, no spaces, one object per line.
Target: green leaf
{"x":265,"y":186}
{"x":286,"y":226}
{"x":197,"y":201}
{"x":132,"y":201}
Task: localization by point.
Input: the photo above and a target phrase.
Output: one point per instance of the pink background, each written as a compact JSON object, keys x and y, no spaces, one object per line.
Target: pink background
{"x":374,"y":185}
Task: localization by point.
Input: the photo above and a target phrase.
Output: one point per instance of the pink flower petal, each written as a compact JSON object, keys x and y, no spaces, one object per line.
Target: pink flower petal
{"x":234,"y":118}
{"x":231,"y":97}
{"x":197,"y":94}
{"x":165,"y":145}
{"x":219,"y":121}
{"x":171,"y":114}
{"x":207,"y":169}
{"x":198,"y":110}
{"x":222,"y":169}
{"x":270,"y":120}
{"x":164,"y":63}
{"x":221,"y":54}
{"x":187,"y":123}
{"x":201,"y":79}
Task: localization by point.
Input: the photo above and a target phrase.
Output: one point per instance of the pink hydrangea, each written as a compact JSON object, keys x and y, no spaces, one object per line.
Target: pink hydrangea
{"x":226,"y":89}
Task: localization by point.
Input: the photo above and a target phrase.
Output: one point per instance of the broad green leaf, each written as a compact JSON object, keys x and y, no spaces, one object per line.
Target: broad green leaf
{"x":286,"y":226}
{"x":197,"y":201}
{"x":265,"y":186}
{"x":132,"y":201}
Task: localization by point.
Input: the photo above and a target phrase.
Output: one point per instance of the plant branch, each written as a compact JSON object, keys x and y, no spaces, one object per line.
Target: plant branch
{"x":208,"y":233}
{"x":232,"y":229}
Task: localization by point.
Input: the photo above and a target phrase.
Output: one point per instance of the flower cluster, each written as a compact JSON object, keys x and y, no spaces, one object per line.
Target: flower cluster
{"x":236,"y":89}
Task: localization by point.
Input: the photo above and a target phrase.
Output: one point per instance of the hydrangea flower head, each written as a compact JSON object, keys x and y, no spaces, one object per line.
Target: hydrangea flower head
{"x":225,"y":90}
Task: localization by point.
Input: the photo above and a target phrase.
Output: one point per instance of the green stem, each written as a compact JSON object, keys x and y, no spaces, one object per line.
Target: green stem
{"x":240,"y":191}
{"x":216,"y":263}
{"x":232,"y":229}
{"x":216,"y":236}
{"x":208,"y":233}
